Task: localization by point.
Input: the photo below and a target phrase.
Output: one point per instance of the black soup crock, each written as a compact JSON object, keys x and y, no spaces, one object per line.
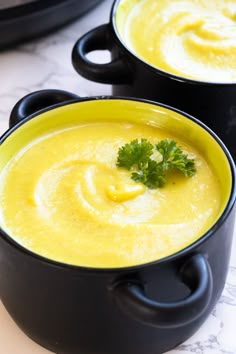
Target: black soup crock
{"x":149,"y":308}
{"x":212,"y":103}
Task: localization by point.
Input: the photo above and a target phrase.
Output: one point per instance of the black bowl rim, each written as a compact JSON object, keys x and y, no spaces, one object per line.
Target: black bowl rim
{"x":173,"y":257}
{"x":154,"y":68}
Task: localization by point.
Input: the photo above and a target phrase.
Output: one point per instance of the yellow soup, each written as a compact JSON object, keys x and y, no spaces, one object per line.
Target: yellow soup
{"x":191,"y":38}
{"x":62,"y":196}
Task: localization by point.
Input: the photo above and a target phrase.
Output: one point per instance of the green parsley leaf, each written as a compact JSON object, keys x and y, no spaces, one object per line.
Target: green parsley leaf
{"x":134,"y":154}
{"x":152,"y":176}
{"x":138,"y":156}
{"x":173,"y":157}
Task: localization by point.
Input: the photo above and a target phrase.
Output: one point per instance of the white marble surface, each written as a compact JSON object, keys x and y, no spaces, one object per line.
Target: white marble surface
{"x":46,"y":63}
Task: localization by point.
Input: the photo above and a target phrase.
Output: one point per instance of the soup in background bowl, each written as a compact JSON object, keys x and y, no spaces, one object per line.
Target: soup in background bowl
{"x":85,"y":248}
{"x":191,"y":39}
{"x":180,"y":53}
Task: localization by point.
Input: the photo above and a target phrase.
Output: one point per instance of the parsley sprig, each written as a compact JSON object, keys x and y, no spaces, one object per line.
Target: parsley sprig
{"x":138,"y":156}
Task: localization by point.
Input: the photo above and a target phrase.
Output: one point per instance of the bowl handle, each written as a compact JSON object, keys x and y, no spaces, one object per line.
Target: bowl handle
{"x":195,"y":273}
{"x":100,"y":38}
{"x":38,"y":101}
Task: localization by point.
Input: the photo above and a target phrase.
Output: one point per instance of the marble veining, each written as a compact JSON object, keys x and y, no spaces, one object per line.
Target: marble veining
{"x":46,"y":64}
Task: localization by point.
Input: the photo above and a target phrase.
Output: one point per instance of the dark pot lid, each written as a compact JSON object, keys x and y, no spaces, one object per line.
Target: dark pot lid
{"x":22,"y":20}
{"x":12,"y":3}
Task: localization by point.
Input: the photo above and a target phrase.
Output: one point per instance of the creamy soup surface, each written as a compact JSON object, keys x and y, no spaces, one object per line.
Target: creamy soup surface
{"x":63,"y":197}
{"x":195,"y":39}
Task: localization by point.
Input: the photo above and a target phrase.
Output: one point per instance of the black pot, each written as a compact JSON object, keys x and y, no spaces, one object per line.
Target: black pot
{"x":212,"y":103}
{"x":149,"y":308}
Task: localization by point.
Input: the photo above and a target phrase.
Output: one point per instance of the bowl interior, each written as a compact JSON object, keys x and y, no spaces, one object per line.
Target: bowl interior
{"x":193,"y":65}
{"x":131,"y":111}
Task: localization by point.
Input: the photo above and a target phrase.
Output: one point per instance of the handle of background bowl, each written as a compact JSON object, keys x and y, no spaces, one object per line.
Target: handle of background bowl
{"x":100,"y":38}
{"x":195,"y":273}
{"x":37,"y":101}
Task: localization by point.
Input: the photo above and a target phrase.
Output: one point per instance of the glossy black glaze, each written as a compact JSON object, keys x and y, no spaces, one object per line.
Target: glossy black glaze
{"x":36,"y":18}
{"x":195,"y":273}
{"x":212,"y":103}
{"x":143,"y":309}
{"x":37,"y":101}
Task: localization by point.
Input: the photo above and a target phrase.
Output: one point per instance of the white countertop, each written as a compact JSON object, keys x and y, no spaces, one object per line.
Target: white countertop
{"x":44,"y":64}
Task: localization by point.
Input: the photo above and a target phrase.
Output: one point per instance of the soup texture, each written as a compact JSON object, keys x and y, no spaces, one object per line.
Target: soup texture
{"x":195,"y":39}
{"x":63,"y":197}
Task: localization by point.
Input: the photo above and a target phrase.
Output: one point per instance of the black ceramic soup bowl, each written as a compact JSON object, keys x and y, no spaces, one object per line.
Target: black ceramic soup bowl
{"x":212,"y":103}
{"x":148,"y":308}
